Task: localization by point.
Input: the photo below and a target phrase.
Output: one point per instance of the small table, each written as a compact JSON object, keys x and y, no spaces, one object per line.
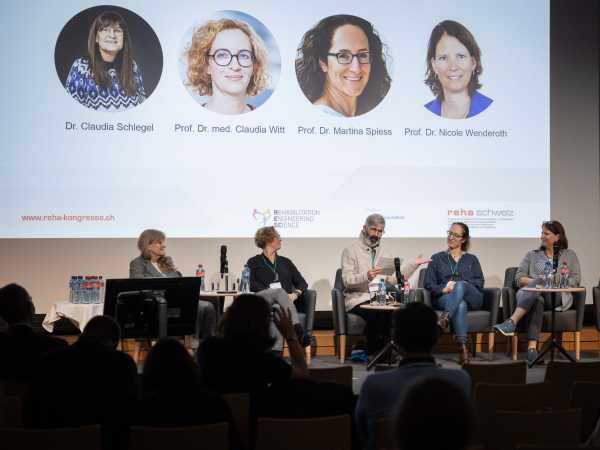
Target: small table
{"x":391,"y":346}
{"x":79,"y":314}
{"x":552,"y":342}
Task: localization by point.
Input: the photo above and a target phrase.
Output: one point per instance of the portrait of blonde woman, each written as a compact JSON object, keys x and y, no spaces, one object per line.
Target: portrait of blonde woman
{"x":226,"y":65}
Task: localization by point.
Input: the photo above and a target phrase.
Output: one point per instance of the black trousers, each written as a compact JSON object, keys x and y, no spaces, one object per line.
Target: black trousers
{"x":300,"y":304}
{"x":378,"y":327}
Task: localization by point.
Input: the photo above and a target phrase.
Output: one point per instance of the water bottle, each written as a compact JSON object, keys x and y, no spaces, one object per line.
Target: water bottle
{"x":382,"y":292}
{"x":96,"y":289}
{"x":77,"y":289}
{"x":245,"y":280}
{"x":80,"y":289}
{"x":93,"y":288}
{"x":201,"y":273}
{"x":564,"y":275}
{"x":86,"y":290}
{"x":548,"y":274}
{"x":72,"y":282}
{"x":100,"y":290}
{"x":406,"y":291}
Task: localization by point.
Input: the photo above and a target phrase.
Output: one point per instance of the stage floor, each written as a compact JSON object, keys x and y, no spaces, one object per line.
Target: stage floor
{"x":448,"y":360}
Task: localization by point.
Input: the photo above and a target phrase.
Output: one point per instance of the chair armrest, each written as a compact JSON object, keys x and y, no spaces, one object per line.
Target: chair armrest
{"x":338,"y":309}
{"x":424,"y":296}
{"x":491,"y":303}
{"x":310,"y":303}
{"x":579,"y":303}
{"x":596,"y":296}
{"x":509,"y":302}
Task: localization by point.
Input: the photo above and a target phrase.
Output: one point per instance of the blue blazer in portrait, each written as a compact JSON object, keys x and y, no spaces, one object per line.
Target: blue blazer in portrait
{"x":479,"y":103}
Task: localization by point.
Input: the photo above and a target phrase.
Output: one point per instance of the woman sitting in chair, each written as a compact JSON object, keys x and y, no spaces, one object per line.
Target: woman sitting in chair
{"x":276,"y":279}
{"x":154,"y":263}
{"x":455,"y":280}
{"x":531,"y":305}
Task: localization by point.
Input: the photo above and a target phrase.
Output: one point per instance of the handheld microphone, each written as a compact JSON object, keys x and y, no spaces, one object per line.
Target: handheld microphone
{"x":400,"y":280}
{"x":224,"y":263}
{"x":399,"y":276}
{"x":555,"y":255}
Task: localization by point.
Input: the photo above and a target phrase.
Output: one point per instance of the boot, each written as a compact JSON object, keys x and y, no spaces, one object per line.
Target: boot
{"x":444,"y":321}
{"x":303,"y":338}
{"x":463,"y":353}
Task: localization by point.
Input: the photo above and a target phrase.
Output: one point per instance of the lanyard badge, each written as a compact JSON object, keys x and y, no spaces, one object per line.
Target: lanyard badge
{"x":272,"y":268}
{"x":455,"y":276}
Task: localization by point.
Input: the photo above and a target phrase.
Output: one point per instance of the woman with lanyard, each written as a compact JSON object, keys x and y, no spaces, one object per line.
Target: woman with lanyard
{"x":277,"y":280}
{"x":531,"y":272}
{"x":455,"y":280}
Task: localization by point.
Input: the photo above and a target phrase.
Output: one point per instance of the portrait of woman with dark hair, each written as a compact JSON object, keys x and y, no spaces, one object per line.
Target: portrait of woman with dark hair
{"x":341,"y":66}
{"x":108,"y":78}
{"x":453,"y":70}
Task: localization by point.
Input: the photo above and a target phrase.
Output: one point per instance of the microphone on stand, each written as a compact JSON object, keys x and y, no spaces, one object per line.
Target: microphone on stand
{"x":224,"y":263}
{"x":224,"y":266}
{"x":399,"y":278}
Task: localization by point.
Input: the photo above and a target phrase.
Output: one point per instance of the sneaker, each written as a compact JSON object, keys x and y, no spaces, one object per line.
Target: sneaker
{"x":303,"y":338}
{"x":444,"y":321}
{"x":531,"y":355}
{"x":360,"y":345}
{"x":507,"y":328}
{"x":359,"y":356}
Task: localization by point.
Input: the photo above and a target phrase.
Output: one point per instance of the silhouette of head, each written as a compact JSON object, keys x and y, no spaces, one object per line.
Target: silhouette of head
{"x":169,"y":367}
{"x":103,"y":329}
{"x":416,"y":328}
{"x":16,"y":305}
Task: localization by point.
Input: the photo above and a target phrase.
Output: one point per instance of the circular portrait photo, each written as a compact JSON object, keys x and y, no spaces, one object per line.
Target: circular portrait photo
{"x":230,"y":64}
{"x":342,"y":66}
{"x":108,"y":58}
{"x":453,"y":70}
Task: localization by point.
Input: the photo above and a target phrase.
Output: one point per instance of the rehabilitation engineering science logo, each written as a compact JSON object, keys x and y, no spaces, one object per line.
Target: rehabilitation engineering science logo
{"x":263,"y":216}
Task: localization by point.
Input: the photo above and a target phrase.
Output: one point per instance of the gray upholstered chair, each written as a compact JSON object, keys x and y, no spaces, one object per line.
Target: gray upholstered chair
{"x":315,"y":433}
{"x":204,"y":437}
{"x":344,"y":323}
{"x":481,"y":321}
{"x":307,"y":316}
{"x":566,"y":321}
{"x":596,"y":296}
{"x":564,"y":374}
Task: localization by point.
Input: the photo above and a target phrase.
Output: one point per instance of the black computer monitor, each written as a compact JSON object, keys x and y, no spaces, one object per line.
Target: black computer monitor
{"x":127,"y":300}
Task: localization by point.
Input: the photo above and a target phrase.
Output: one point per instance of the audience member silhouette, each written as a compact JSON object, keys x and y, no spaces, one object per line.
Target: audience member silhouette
{"x":89,"y":383}
{"x":416,"y":332}
{"x":21,"y":348}
{"x":172,"y":391}
{"x":240,"y":360}
{"x":3,"y":325}
{"x":434,"y":413}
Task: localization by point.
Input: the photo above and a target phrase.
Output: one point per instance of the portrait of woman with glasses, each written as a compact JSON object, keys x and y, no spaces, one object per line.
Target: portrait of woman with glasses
{"x":108,"y":78}
{"x":455,"y":281}
{"x":341,"y":66}
{"x":453,"y":70}
{"x":226,"y":62}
